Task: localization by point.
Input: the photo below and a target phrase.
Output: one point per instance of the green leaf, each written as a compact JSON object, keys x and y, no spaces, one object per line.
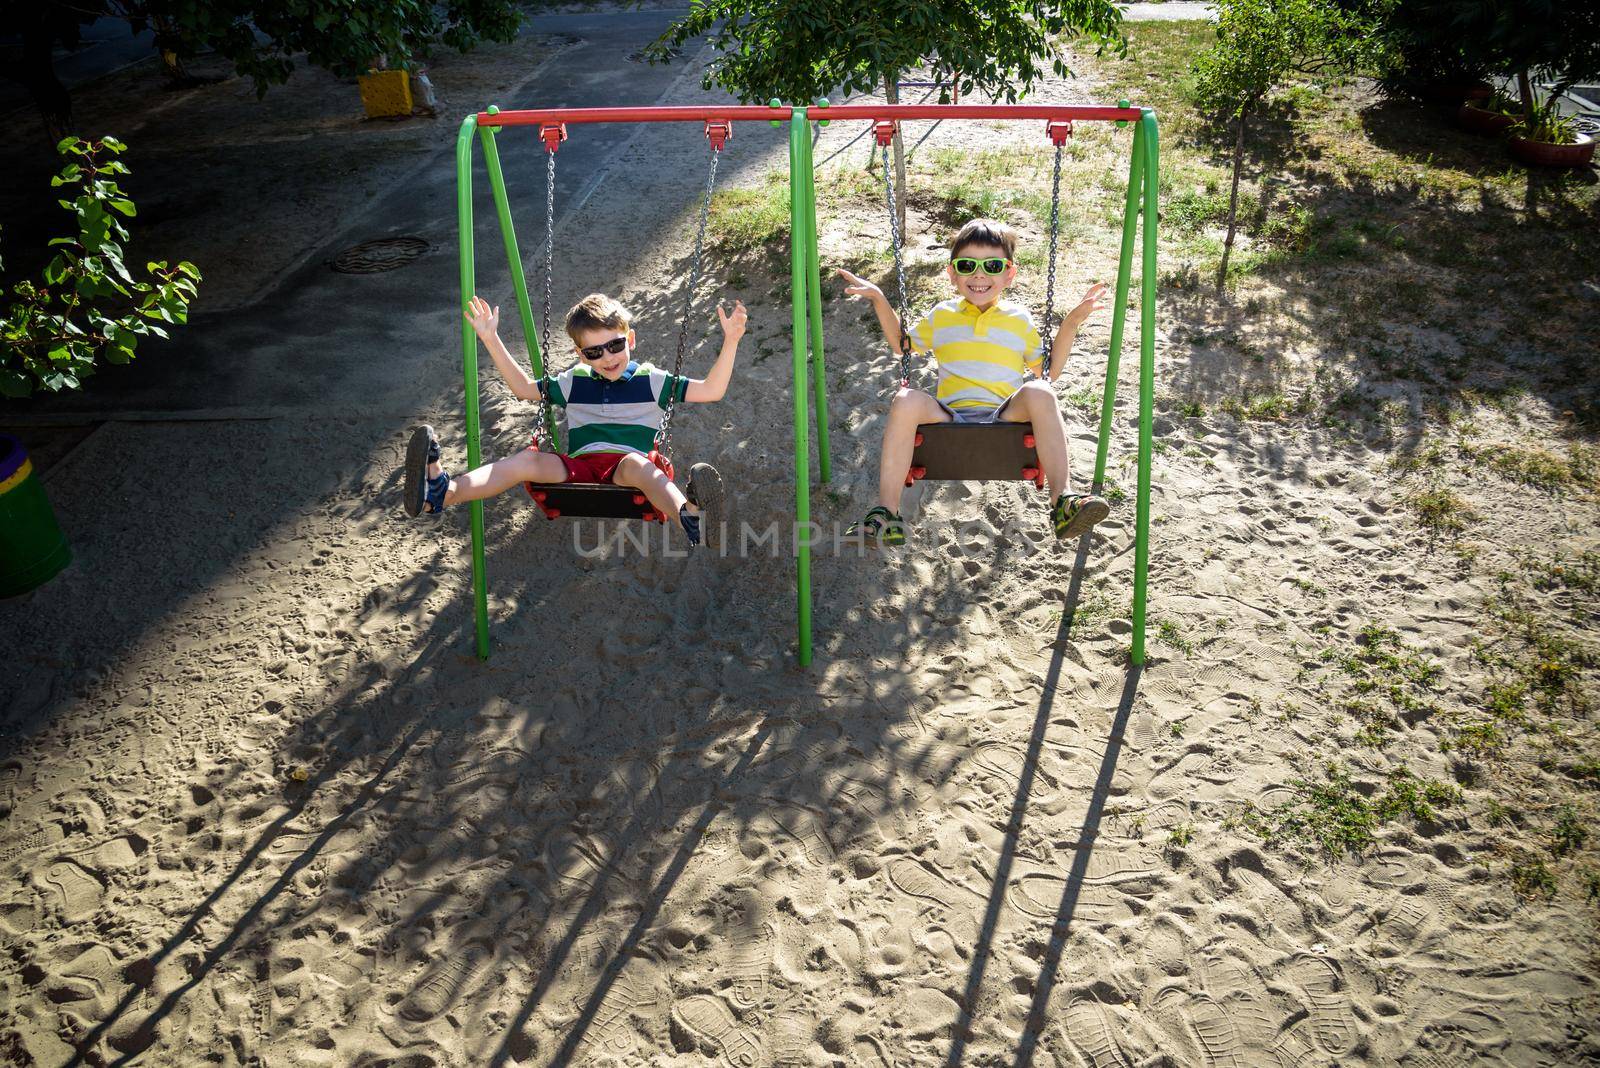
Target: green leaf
{"x":14,"y":383}
{"x":124,"y":206}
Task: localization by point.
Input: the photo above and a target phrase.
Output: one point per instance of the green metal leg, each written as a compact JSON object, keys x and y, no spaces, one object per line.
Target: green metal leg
{"x":819,"y":378}
{"x":1119,"y":310}
{"x":469,"y":367}
{"x":519,"y":281}
{"x":799,"y":242}
{"x":1147,"y":379}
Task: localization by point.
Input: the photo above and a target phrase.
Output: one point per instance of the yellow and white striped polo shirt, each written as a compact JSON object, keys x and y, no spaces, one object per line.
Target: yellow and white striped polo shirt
{"x":983,"y":353}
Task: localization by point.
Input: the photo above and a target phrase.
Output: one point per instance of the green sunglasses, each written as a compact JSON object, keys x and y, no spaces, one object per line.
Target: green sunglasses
{"x":966,"y":265}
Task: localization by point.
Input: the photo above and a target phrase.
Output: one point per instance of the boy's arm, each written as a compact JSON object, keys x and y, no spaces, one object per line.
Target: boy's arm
{"x":1067,"y":332}
{"x":888,"y":318}
{"x":714,"y":386}
{"x":485,"y":323}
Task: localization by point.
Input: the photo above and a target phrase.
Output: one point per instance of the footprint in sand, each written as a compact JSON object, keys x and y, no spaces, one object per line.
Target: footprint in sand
{"x":443,"y":982}
{"x":910,"y":877}
{"x":496,"y":775}
{"x":1089,"y":1029}
{"x":790,"y":1039}
{"x":1440,"y":1049}
{"x":609,"y":1030}
{"x":47,"y":835}
{"x":1110,"y":874}
{"x":1323,"y":985}
{"x":74,"y":890}
{"x":710,"y":1022}
{"x":1293,"y":1049}
{"x":575,"y":861}
{"x":1215,"y":1029}
{"x":750,"y":962}
{"x":1407,"y":920}
{"x":810,"y":830}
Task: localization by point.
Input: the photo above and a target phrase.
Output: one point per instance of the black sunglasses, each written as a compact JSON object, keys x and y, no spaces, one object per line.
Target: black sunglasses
{"x":614,"y":346}
{"x":992,"y":266}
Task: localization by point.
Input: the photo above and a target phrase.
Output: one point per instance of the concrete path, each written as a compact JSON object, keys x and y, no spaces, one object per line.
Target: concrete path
{"x":1175,"y":11}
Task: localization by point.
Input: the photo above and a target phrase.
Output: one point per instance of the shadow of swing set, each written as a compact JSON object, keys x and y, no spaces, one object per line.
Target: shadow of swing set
{"x":976,"y":451}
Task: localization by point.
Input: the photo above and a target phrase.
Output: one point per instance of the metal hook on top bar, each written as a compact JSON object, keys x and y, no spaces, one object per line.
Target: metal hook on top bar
{"x":1058,"y":130}
{"x":717,"y":132}
{"x":552,"y":134}
{"x":884,"y":130}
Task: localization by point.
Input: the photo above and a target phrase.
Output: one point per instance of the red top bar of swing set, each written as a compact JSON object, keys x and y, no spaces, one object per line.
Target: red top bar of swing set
{"x":752,"y":112}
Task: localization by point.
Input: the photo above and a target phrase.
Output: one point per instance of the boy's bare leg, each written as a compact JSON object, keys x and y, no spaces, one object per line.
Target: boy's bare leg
{"x":501,"y":475}
{"x":636,"y":472}
{"x":1036,"y":403}
{"x":910,"y":409}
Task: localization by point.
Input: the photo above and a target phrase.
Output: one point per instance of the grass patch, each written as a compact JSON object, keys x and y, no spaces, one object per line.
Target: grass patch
{"x":1381,"y":683}
{"x":1569,"y":832}
{"x":748,"y":218}
{"x":1441,"y":510}
{"x":1271,"y":407}
{"x":1169,"y":633}
{"x":1533,"y":879}
{"x":1580,"y":469}
{"x":1341,"y":816}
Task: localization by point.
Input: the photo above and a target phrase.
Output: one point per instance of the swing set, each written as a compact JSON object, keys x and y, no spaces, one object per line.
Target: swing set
{"x":943,"y":451}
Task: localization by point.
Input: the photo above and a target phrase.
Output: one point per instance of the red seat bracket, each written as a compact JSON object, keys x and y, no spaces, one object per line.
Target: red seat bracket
{"x":1058,"y":132}
{"x":884,"y":130}
{"x":552,"y":134}
{"x":717,"y":132}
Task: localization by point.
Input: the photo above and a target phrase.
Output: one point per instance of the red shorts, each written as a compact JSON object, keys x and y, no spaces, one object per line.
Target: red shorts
{"x":598,"y":467}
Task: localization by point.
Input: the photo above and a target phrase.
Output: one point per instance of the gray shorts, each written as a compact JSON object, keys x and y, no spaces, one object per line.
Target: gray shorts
{"x":975,"y":415}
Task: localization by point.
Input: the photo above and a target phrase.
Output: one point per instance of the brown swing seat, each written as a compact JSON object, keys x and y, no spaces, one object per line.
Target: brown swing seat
{"x":975,"y":452}
{"x":594,"y":500}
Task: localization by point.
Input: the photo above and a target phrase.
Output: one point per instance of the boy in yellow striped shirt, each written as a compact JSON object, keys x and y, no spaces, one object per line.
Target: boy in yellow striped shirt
{"x":991,"y":367}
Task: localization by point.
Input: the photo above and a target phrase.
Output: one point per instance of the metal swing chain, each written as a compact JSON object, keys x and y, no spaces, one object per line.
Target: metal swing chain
{"x":1049,"y":338}
{"x":900,"y":274}
{"x":541,"y":433}
{"x":663,"y":441}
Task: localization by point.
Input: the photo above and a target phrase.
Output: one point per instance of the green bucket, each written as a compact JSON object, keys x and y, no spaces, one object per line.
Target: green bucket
{"x":32,"y":547}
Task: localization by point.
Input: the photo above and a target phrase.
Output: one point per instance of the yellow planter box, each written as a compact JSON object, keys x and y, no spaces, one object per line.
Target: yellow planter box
{"x":386,"y":93}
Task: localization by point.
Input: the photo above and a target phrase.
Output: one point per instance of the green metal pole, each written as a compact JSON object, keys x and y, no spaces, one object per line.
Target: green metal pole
{"x":469,"y":368}
{"x":1119,"y":311}
{"x":1147,"y":378}
{"x":819,"y":377}
{"x":519,"y":281}
{"x":799,"y":241}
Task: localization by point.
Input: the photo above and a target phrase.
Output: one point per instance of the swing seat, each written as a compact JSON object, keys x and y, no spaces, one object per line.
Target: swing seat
{"x":975,"y":452}
{"x":593,"y":500}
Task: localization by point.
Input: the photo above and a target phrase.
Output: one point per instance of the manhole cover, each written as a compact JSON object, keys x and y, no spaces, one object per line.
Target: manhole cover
{"x":383,"y":254}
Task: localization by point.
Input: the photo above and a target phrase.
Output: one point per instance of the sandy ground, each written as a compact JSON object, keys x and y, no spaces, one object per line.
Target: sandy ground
{"x":263,"y":807}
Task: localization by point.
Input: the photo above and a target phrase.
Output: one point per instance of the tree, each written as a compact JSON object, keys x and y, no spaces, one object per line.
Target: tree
{"x":1260,"y":43}
{"x":1460,"y":40}
{"x":801,"y":50}
{"x":90,"y":307}
{"x":261,"y":38}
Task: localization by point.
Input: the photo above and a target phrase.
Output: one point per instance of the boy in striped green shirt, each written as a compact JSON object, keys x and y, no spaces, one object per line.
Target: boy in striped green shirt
{"x":991,"y":367}
{"x":614,"y":408}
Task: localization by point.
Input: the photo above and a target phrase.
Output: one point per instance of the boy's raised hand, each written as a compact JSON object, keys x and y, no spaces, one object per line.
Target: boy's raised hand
{"x":856,"y":286}
{"x":484,"y":319}
{"x":1092,"y":301}
{"x":733,"y":322}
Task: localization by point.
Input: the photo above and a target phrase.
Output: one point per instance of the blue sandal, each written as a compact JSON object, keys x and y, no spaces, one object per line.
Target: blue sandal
{"x":422,"y":492}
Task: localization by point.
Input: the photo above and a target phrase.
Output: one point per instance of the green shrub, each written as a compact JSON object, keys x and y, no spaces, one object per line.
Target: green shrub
{"x":89,"y":307}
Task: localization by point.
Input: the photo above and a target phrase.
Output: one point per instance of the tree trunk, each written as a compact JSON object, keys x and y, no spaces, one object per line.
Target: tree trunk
{"x":1233,"y":209}
{"x":1525,"y":90}
{"x":38,"y":73}
{"x":891,"y":89}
